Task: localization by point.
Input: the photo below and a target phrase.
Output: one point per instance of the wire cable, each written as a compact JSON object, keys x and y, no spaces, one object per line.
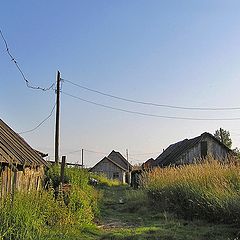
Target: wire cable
{"x":148,"y":114}
{"x":41,"y":123}
{"x":91,"y":151}
{"x":151,"y":103}
{"x":85,"y":150}
{"x":142,"y":154}
{"x":20,"y":70}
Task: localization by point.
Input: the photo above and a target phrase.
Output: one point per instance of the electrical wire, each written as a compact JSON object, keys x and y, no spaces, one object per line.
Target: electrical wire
{"x":148,"y":114}
{"x":20,"y":70}
{"x":139,"y":154}
{"x":151,"y":103}
{"x":91,"y":151}
{"x":85,"y":150}
{"x":44,"y":120}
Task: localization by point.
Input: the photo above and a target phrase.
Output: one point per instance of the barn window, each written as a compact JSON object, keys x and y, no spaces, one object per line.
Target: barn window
{"x":204,"y":148}
{"x":115,"y":175}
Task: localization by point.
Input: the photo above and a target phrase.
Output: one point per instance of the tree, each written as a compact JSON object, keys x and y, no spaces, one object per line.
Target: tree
{"x":224,"y":137}
{"x":237,"y":152}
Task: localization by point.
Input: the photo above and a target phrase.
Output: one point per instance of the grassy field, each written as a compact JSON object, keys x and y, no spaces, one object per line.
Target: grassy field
{"x":114,"y":212}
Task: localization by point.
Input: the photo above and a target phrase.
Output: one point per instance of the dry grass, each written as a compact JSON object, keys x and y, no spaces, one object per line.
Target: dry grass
{"x":210,"y":190}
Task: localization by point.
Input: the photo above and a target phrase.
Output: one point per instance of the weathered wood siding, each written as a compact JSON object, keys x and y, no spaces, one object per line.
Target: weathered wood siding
{"x":193,"y":154}
{"x":25,"y":180}
{"x":109,"y":169}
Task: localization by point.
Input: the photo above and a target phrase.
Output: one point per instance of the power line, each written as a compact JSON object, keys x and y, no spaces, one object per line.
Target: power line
{"x":20,"y":70}
{"x":148,"y":114}
{"x":44,"y":120}
{"x":86,"y":150}
{"x":151,"y":103}
{"x":91,"y":151}
{"x":149,"y":153}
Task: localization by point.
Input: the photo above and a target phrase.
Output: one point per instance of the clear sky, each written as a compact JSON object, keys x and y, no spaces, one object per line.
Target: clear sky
{"x":183,"y":53}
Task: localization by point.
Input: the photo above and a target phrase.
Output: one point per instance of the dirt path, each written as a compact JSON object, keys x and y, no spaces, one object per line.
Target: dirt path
{"x":113,"y":214}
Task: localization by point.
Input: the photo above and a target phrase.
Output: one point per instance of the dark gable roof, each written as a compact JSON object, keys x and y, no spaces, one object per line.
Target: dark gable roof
{"x":149,"y":163}
{"x":170,"y":155}
{"x":110,"y":160}
{"x":120,"y":160}
{"x":14,"y":149}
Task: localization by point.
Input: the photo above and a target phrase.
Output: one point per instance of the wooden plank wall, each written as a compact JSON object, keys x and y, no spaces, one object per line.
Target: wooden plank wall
{"x":24,"y":181}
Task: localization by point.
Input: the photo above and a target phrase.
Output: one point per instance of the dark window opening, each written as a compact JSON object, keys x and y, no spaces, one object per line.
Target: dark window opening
{"x":204,"y":149}
{"x":115,"y":175}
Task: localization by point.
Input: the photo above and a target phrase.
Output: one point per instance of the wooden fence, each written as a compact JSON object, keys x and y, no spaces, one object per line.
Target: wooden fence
{"x":25,"y":179}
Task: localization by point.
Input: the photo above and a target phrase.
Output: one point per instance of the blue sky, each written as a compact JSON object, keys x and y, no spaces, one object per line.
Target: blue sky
{"x":171,"y":52}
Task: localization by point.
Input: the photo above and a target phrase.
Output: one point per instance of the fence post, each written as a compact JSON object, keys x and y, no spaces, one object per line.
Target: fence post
{"x":62,"y":169}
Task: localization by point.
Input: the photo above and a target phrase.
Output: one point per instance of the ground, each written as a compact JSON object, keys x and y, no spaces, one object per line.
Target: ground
{"x":126,"y":215}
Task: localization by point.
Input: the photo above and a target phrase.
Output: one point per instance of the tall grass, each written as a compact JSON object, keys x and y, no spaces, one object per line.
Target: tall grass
{"x":32,"y":215}
{"x":210,"y":190}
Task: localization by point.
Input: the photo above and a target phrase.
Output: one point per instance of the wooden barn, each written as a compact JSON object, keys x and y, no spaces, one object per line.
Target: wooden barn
{"x":21,"y":167}
{"x":114,"y":166}
{"x":191,"y":150}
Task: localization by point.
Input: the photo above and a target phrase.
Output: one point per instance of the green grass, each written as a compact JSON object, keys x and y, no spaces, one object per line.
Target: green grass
{"x":51,"y":214}
{"x":107,"y":212}
{"x":104,"y":181}
{"x":136,"y":218}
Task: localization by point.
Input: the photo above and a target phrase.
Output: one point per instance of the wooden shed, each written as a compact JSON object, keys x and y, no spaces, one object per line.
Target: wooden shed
{"x":21,"y":167}
{"x":114,"y":166}
{"x":189,"y":151}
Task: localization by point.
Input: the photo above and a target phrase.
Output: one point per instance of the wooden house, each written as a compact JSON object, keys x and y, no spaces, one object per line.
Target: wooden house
{"x":148,"y":164}
{"x":192,"y":150}
{"x":114,"y":166}
{"x":21,"y":167}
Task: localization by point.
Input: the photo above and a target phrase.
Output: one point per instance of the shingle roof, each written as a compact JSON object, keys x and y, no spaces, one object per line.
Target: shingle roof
{"x":170,"y":155}
{"x":14,"y":149}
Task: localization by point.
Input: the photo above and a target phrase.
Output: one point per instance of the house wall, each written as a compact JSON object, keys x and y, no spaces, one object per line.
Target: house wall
{"x":109,"y":169}
{"x":193,"y":154}
{"x":20,"y":180}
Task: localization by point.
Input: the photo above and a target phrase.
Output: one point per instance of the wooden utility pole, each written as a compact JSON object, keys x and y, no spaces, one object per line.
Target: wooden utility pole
{"x":128,"y":173}
{"x":57,"y":119}
{"x":82,"y":157}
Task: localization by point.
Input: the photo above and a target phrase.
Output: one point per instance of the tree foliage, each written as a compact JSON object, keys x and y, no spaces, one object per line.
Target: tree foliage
{"x":224,"y":137}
